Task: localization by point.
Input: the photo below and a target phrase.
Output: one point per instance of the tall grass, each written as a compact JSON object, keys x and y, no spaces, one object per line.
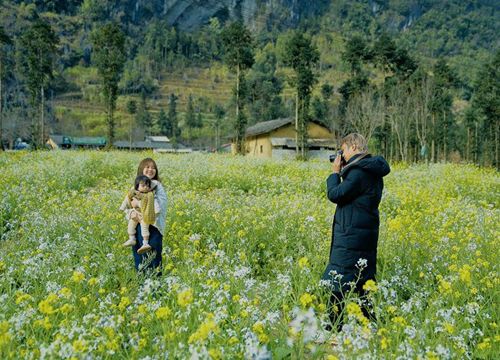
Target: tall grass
{"x":244,"y":248}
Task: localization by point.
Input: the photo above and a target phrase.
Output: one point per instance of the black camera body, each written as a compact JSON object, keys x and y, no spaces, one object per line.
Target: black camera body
{"x":334,"y":156}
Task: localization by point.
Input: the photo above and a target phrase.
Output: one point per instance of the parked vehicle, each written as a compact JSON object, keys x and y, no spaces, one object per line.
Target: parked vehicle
{"x":19,"y":144}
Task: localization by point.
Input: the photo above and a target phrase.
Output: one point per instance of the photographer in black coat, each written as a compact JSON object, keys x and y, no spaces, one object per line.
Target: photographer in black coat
{"x":356,"y":221}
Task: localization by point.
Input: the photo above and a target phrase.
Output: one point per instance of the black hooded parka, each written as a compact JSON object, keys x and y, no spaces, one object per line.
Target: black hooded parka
{"x":356,"y":221}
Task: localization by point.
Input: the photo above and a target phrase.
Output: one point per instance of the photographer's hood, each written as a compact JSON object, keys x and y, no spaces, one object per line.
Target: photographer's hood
{"x":376,"y":165}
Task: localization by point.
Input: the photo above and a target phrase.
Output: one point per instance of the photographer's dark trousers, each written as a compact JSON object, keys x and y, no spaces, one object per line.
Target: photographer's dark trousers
{"x":336,"y":307}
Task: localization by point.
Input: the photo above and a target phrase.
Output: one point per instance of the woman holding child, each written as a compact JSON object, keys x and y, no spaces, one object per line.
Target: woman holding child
{"x":147,"y":245}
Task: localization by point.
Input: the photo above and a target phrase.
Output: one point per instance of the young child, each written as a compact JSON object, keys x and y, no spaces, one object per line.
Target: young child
{"x":145,"y":211}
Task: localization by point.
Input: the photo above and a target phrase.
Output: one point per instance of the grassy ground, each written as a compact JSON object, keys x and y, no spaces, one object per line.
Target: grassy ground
{"x":245,"y":245}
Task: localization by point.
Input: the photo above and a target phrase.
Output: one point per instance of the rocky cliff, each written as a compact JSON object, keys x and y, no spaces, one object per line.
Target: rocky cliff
{"x":192,"y":14}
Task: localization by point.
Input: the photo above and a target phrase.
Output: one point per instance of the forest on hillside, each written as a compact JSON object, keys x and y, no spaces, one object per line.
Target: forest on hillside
{"x":418,"y":78}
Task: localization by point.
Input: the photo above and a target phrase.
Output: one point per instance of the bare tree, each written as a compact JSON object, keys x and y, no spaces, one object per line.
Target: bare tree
{"x":365,"y":112}
{"x":400,"y":110}
{"x":421,"y":95}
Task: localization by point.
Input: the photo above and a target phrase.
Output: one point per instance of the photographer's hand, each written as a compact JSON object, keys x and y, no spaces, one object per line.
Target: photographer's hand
{"x":336,"y":165}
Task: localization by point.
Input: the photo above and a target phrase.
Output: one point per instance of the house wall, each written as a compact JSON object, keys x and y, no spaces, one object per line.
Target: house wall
{"x":289,"y":154}
{"x":283,"y":132}
{"x":319,"y":132}
{"x":259,"y":146}
{"x":315,"y":131}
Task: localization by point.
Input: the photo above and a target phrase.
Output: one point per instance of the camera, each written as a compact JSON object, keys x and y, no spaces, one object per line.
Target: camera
{"x":334,"y":156}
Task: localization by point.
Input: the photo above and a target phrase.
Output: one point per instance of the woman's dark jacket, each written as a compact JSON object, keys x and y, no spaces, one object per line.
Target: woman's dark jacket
{"x":356,"y":221}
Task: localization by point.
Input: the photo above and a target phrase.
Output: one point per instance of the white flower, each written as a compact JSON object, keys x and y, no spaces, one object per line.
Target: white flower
{"x":272,"y":317}
{"x":52,"y":287}
{"x":326,"y":283}
{"x":411,"y":332}
{"x":249,"y":283}
{"x":195,"y":237}
{"x":252,"y":349}
{"x":284,"y":282}
{"x":362,"y":263}
{"x":196,"y":352}
{"x":443,"y":352}
{"x":241,"y":272}
{"x":305,"y":322}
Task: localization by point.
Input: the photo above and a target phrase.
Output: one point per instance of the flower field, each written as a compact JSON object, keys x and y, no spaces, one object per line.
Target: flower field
{"x":245,"y":245}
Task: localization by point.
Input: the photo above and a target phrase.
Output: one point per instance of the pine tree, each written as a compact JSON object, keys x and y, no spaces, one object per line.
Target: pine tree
{"x":239,"y":56}
{"x":486,"y":101}
{"x":173,"y":128}
{"x":4,"y":40}
{"x":38,"y":44}
{"x":391,"y":58}
{"x":441,"y":103}
{"x":301,"y":55}
{"x":199,"y":120}
{"x":264,"y":88}
{"x":131,"y":109}
{"x":219,"y":114}
{"x":356,"y":52}
{"x":109,"y":56}
{"x":190,"y":117}
{"x":163,"y":123}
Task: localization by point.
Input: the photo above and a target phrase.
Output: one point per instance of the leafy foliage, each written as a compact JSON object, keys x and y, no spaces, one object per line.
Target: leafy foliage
{"x":109,"y":57}
{"x":239,"y":55}
{"x":37,"y":51}
{"x":301,"y":55}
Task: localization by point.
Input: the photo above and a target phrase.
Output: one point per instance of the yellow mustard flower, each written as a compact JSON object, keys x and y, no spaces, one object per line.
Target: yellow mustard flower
{"x":77,"y":277}
{"x":370,"y":285}
{"x":79,"y":346}
{"x":203,"y":331}
{"x":124,"y":302}
{"x":303,"y":262}
{"x":163,"y":312}
{"x":5,"y":335}
{"x":306,"y":300}
{"x":184,"y":298}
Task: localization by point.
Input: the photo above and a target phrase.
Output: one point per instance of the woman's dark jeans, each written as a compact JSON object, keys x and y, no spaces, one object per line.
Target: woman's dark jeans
{"x":151,"y":261}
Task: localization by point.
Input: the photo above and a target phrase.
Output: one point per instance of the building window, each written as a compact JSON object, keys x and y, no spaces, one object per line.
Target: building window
{"x":261,"y":149}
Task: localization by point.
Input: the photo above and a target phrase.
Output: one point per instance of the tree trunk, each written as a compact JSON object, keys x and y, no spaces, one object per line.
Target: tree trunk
{"x":445,"y":138}
{"x":466,"y":155}
{"x":42,"y":122}
{"x":433,"y":137}
{"x":405,"y":151}
{"x":476,"y":155}
{"x":297,"y":123}
{"x":217,"y":138}
{"x":391,"y":142}
{"x":303,"y":131}
{"x":111,"y":125}
{"x":238,"y":134}
{"x":130,"y":133}
{"x":1,"y":109}
{"x":496,"y":145}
